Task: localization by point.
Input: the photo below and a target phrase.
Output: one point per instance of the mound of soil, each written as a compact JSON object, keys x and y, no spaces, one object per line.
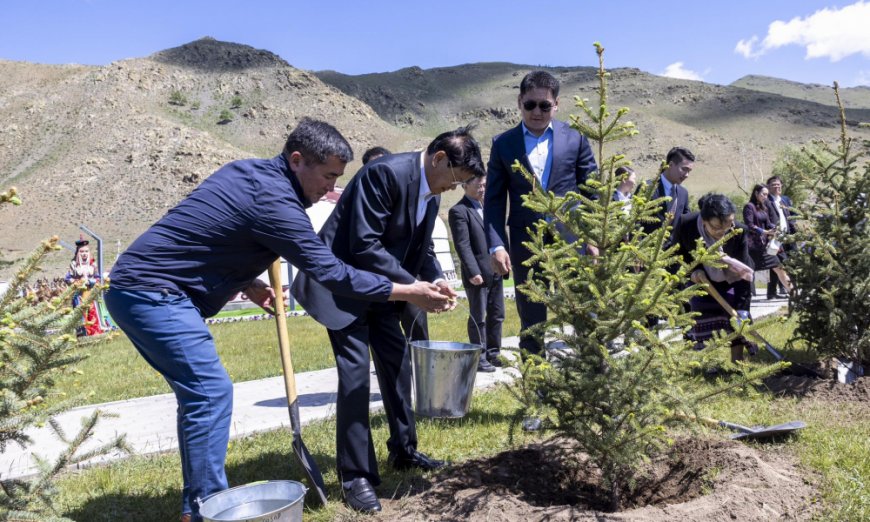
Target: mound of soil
{"x":698,"y":479}
{"x":819,"y":389}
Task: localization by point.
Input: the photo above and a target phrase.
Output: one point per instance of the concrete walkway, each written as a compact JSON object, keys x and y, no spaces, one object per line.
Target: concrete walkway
{"x":149,"y":422}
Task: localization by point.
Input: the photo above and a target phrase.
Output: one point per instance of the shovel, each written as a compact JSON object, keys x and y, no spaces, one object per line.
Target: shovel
{"x":305,"y":458}
{"x":733,"y":313}
{"x":756,"y":433}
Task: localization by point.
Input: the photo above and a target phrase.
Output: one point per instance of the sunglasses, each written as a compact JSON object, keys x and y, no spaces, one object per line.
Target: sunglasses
{"x":545,"y":105}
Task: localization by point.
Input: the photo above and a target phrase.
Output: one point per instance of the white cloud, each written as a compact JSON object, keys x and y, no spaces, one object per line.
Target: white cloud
{"x":676,"y":70}
{"x":862,"y":78}
{"x":828,"y":33}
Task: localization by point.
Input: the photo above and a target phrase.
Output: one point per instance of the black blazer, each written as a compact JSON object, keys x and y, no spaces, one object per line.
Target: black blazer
{"x":572,"y":163}
{"x":680,"y":208}
{"x":374,"y":227}
{"x":469,"y":238}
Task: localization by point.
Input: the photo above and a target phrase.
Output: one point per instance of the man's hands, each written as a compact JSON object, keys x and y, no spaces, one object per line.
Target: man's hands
{"x":501,"y":262}
{"x":428,"y":296}
{"x":476,"y":280}
{"x":262,"y":294}
{"x":451,"y":294}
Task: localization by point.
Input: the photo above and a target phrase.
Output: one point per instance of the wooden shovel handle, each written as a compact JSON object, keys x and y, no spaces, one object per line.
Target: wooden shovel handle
{"x":283,"y":336}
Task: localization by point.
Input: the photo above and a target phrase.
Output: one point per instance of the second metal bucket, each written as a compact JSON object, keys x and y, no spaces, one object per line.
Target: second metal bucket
{"x":264,"y":501}
{"x":444,"y":375}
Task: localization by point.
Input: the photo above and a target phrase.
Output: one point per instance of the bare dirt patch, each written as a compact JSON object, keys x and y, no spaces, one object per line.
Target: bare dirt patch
{"x":819,"y":389}
{"x":698,"y":479}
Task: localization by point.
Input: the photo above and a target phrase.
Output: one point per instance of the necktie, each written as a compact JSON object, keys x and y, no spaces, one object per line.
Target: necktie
{"x":673,"y":206}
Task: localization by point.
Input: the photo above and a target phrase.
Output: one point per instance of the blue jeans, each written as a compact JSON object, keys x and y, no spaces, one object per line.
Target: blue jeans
{"x":170,"y":334}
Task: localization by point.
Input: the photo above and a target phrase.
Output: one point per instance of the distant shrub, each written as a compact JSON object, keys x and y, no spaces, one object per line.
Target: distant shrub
{"x":195,"y":105}
{"x":177,"y":97}
{"x":225,"y":117}
{"x":236,"y":102}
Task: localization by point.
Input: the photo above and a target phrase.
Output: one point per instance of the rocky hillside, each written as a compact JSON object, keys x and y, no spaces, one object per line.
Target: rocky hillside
{"x":735,"y":132}
{"x":114,"y":147}
{"x":852,"y":97}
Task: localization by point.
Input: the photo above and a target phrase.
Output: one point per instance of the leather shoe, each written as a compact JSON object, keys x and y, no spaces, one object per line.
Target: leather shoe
{"x":495,"y":361}
{"x":361,"y":496}
{"x":484,"y":366}
{"x":415,"y":460}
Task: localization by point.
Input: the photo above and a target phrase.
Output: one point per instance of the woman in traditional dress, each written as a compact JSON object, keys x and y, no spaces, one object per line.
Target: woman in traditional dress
{"x":83,"y":269}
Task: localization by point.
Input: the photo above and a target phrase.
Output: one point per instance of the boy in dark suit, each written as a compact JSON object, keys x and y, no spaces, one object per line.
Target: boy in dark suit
{"x":483,"y":286}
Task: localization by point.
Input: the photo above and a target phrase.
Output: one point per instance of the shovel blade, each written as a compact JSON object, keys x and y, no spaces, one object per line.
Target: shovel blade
{"x":772,"y":431}
{"x":310,"y":467}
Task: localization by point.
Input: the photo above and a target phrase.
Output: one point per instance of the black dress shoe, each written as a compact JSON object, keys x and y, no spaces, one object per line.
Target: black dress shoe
{"x":415,"y":460}
{"x":495,"y":361}
{"x":361,"y":496}
{"x":484,"y":366}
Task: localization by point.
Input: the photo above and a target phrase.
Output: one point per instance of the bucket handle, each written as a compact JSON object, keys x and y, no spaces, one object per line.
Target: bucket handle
{"x":421,"y":311}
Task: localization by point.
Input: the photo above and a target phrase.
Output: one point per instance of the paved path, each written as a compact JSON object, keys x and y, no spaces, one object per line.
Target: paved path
{"x":149,"y":422}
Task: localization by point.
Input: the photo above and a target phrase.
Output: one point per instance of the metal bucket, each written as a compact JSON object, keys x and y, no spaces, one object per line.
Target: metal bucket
{"x":265,"y":501}
{"x":444,"y":375}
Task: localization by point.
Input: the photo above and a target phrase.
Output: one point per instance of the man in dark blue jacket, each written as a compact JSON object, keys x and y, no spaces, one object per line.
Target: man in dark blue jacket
{"x":212,"y":245}
{"x":561,"y":160}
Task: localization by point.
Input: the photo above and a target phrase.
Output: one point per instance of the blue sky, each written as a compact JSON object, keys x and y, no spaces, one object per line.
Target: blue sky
{"x":802,"y":40}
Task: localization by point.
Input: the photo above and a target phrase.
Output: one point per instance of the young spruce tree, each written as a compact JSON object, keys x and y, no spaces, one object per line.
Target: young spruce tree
{"x":831,"y":261}
{"x":37,"y":342}
{"x":617,"y":384}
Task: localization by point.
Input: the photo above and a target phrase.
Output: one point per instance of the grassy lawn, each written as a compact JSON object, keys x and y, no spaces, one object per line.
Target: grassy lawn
{"x":833,"y":448}
{"x":249,"y":350}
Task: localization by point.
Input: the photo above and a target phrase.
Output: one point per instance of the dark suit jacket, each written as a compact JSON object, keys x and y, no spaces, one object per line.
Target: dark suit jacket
{"x":374,"y":225}
{"x":680,"y":208}
{"x":469,"y":238}
{"x":572,"y":162}
{"x":687,"y":235}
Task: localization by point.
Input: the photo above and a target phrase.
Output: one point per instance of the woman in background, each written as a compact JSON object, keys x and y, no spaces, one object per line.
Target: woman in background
{"x":756,"y":216}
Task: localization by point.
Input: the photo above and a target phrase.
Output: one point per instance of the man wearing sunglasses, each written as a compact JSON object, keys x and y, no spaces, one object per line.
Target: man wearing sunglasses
{"x":559,"y":157}
{"x":383,"y":222}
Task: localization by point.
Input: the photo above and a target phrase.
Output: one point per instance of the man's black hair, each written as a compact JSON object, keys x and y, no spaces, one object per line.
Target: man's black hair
{"x":462,"y":150}
{"x":540,"y":80}
{"x":374,"y":152}
{"x":679,"y":154}
{"x":317,"y":141}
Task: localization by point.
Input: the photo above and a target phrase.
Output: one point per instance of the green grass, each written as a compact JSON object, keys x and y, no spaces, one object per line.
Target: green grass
{"x":832,"y":450}
{"x":249,"y":350}
{"x":148,"y":488}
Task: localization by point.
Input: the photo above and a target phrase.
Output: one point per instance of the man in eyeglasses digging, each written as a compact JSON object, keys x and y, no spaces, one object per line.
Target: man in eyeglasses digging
{"x":561,"y":160}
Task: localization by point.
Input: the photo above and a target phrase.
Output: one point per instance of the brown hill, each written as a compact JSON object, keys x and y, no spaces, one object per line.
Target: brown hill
{"x":733,"y":131}
{"x":114,"y":147}
{"x":852,"y":97}
{"x":104,"y":147}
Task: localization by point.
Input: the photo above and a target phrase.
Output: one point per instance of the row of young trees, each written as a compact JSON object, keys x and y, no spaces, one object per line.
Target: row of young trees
{"x":620,"y":384}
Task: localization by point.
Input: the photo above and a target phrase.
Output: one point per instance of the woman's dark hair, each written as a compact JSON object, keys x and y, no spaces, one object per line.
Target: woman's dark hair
{"x":716,"y":206}
{"x":756,"y":190}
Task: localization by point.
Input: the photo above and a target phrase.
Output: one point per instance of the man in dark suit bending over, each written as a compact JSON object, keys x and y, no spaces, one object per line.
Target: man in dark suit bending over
{"x":561,"y":160}
{"x":383,"y":221}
